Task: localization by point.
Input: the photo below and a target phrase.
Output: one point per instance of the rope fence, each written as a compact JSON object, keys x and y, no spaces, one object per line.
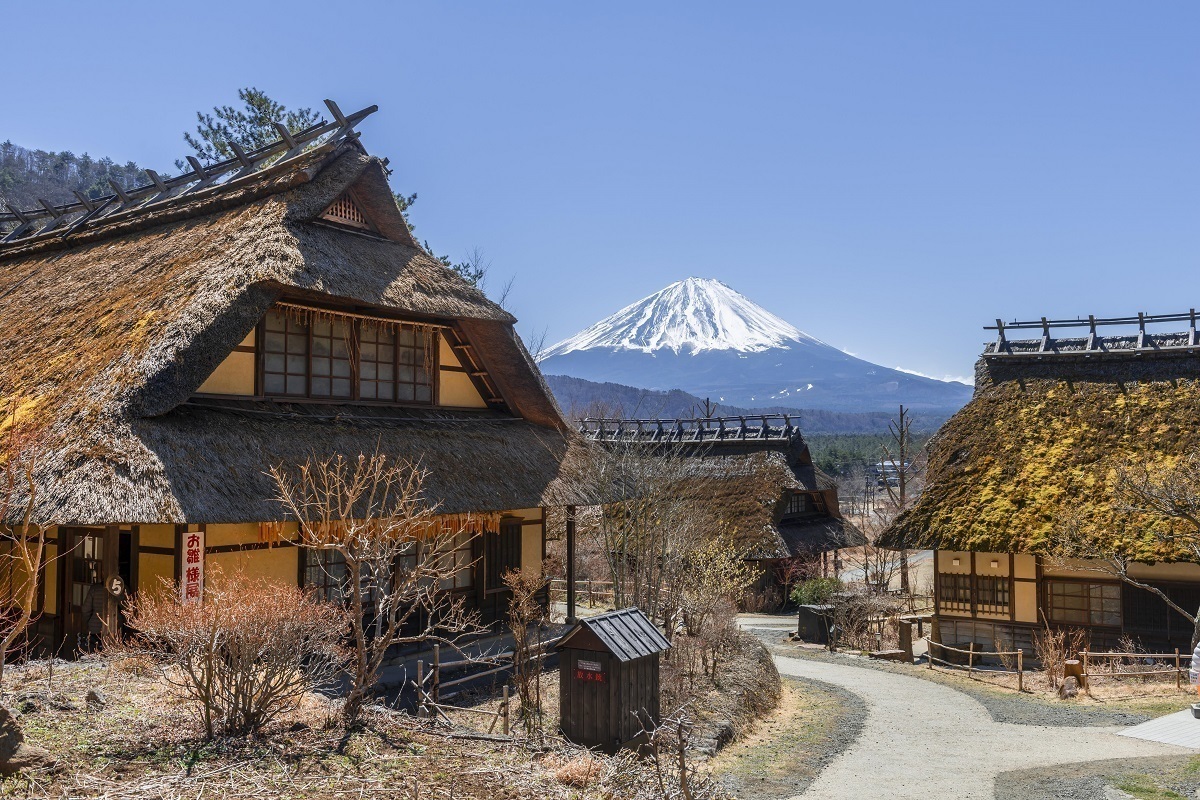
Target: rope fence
{"x":971,"y":653}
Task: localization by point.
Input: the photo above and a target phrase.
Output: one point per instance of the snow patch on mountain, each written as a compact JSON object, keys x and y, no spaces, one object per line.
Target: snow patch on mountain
{"x":689,"y":316}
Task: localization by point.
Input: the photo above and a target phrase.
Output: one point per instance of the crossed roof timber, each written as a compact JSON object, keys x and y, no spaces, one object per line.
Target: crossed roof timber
{"x":63,"y":220}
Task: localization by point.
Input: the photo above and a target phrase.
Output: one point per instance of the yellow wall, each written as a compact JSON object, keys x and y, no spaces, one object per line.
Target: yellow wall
{"x":156,"y":536}
{"x":531,"y":539}
{"x":278,"y":564}
{"x":945,"y":562}
{"x":51,"y":604}
{"x":1025,"y":599}
{"x":153,"y":569}
{"x":235,"y":375}
{"x":456,"y":390}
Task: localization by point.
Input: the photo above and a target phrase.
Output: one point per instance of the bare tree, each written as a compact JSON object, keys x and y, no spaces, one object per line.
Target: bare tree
{"x":1159,"y":506}
{"x":655,"y":521}
{"x":526,"y":615}
{"x":26,"y":540}
{"x":899,"y":461}
{"x":398,"y":555}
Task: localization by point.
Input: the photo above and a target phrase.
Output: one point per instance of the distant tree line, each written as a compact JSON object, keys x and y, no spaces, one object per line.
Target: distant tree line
{"x":27,"y":175}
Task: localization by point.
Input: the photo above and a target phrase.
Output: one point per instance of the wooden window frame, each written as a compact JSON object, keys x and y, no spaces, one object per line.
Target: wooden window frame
{"x":997,"y":597}
{"x":954,"y":591}
{"x":1088,"y":609}
{"x":354,"y":343}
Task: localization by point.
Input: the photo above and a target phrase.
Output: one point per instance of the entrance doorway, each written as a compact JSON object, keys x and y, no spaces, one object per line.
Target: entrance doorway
{"x":90,"y":557}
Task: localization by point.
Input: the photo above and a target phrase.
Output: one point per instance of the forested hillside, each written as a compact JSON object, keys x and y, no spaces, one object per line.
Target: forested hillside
{"x":29,"y":175}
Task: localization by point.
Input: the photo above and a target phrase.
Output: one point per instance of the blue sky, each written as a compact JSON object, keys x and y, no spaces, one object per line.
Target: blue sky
{"x":887,"y":176}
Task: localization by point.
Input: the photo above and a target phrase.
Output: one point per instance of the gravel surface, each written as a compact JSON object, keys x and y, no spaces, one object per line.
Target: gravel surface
{"x":1003,"y":705}
{"x":922,"y":739}
{"x":1102,"y":779}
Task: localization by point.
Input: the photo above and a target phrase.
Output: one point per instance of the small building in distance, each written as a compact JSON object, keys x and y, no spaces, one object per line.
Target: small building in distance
{"x":1039,"y":447}
{"x":759,"y":483}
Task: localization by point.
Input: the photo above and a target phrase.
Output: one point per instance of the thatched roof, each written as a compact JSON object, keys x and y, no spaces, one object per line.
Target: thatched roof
{"x":1041,"y":442}
{"x":109,"y":331}
{"x":743,"y":474}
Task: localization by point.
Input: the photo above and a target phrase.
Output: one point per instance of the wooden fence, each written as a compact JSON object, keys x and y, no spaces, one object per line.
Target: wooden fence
{"x":1174,"y":665}
{"x":589,"y":593}
{"x":971,"y":653}
{"x":429,"y":684}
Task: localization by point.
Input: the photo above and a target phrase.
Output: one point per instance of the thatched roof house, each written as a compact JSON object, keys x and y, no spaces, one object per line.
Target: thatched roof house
{"x":171,"y":343}
{"x":754,"y":475}
{"x":1039,"y":447}
{"x":112,"y":328}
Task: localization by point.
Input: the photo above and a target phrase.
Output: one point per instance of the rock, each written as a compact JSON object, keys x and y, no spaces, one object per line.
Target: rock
{"x":96,"y":699}
{"x":1068,"y":688}
{"x":298,"y":727}
{"x":28,"y":703}
{"x":15,"y":754}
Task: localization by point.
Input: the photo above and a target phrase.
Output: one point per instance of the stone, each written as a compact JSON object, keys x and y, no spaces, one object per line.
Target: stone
{"x":1068,"y":688}
{"x":28,"y":703}
{"x":15,"y":754}
{"x":96,"y":699}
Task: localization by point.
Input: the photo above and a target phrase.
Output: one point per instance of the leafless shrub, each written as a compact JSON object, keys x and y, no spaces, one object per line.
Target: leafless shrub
{"x":862,"y":616}
{"x":526,"y":615}
{"x":1053,"y":646}
{"x":672,"y":776}
{"x":396,"y":556}
{"x":245,"y":655}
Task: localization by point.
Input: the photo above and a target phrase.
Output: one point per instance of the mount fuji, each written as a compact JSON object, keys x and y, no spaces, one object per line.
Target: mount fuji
{"x":703,"y":337}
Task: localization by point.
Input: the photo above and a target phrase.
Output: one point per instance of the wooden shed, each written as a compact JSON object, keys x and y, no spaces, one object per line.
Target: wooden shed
{"x":609,"y":678}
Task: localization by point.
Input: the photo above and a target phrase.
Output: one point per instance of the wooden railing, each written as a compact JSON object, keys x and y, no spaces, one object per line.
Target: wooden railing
{"x":971,"y":653}
{"x":429,"y":684}
{"x":586,"y":592}
{"x":1173,"y":667}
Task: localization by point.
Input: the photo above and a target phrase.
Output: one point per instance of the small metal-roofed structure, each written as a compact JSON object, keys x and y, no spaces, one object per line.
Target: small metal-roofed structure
{"x":627,"y":634}
{"x":609,"y":679}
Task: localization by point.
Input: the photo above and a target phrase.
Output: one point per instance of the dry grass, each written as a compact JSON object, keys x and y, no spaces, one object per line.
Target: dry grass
{"x":146,"y":743}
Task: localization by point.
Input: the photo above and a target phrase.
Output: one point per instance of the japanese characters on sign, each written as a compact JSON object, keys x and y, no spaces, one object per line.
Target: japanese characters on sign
{"x":589,"y":671}
{"x":192,"y":582}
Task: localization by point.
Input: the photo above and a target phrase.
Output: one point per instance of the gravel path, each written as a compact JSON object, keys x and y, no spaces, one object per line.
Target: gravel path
{"x":922,"y":740}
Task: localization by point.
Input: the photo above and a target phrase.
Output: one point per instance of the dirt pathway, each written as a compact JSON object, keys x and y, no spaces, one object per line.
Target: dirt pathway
{"x":923,"y":740}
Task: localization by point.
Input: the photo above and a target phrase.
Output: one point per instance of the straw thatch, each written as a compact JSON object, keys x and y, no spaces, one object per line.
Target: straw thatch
{"x":743,"y":484}
{"x":107,"y":334}
{"x":1041,"y":442}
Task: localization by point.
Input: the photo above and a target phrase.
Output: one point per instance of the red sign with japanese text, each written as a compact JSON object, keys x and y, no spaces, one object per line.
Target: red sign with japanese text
{"x":191,"y":585}
{"x":591,"y":671}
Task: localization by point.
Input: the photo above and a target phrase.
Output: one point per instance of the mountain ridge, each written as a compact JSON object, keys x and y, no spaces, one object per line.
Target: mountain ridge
{"x":703,"y":337}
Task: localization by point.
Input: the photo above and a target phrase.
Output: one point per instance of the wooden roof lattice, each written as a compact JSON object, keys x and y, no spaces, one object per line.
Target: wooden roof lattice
{"x":62,"y":220}
{"x":1092,"y":341}
{"x":756,"y":428}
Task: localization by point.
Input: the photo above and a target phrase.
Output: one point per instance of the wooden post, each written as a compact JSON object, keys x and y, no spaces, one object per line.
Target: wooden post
{"x":436,"y":689}
{"x":970,"y":657}
{"x":504,"y":709}
{"x":929,"y":651}
{"x":1083,"y":678}
{"x":570,"y":565}
{"x":1178,"y":675}
{"x":420,"y":688}
{"x":1020,"y":670}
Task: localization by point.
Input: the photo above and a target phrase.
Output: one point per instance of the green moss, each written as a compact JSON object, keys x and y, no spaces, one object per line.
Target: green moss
{"x":1007,"y":468}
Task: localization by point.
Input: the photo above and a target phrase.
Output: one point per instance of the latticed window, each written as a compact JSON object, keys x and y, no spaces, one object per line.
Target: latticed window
{"x":954,"y":592}
{"x":285,"y":356}
{"x":324,"y":356}
{"x":460,"y":563}
{"x":325,"y":574}
{"x":1074,"y":602}
{"x":344,"y":211}
{"x":800,"y":503}
{"x":992,"y":594}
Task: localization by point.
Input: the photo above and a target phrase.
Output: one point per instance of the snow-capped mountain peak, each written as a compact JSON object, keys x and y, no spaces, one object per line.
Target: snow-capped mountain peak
{"x":689,"y":316}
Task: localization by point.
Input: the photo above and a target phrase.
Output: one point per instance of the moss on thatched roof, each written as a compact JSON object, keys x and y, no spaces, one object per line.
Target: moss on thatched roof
{"x":1041,"y":443}
{"x":123,"y":323}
